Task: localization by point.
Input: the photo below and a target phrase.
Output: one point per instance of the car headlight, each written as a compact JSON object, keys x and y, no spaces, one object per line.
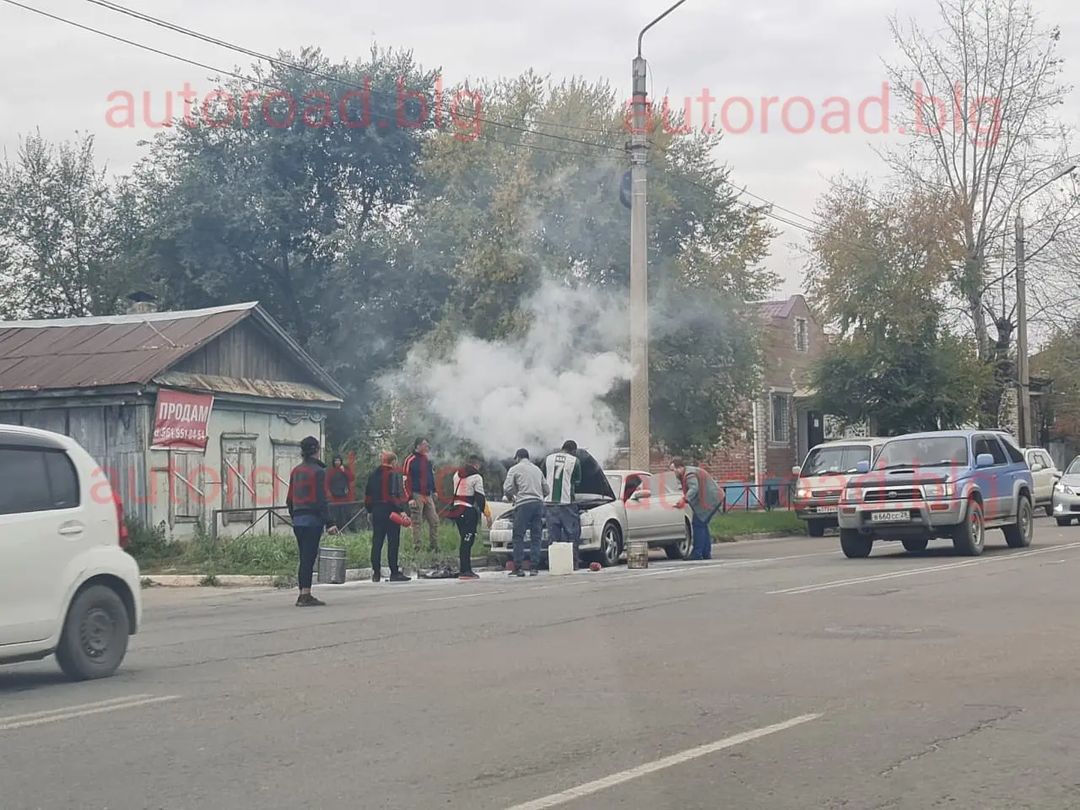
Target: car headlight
{"x":1064,"y":489}
{"x":851,"y":495}
{"x":802,"y":493}
{"x":938,"y":490}
{"x":586,"y":518}
{"x":502,"y":524}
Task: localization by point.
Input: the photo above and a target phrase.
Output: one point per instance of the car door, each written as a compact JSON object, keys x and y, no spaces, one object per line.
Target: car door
{"x":995,"y":482}
{"x":38,"y":532}
{"x":1048,"y":476}
{"x":640,"y":512}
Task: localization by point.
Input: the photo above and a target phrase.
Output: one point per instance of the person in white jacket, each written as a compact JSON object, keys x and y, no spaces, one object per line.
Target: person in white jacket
{"x":469,"y":504}
{"x":526,"y":487}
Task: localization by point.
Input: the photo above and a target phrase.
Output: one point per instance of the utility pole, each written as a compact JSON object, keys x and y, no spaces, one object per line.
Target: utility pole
{"x":1023,"y":375}
{"x":640,"y":438}
{"x":1023,"y":392}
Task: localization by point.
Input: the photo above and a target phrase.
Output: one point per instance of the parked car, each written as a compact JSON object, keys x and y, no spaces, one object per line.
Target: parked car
{"x":1045,"y":474}
{"x":631,"y":505}
{"x":67,"y":587}
{"x":1066,"y":506}
{"x":822,"y":477}
{"x":950,"y":484}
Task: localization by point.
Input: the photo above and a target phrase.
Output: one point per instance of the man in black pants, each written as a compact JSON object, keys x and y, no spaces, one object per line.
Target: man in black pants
{"x":309,"y":513}
{"x":384,"y":498}
{"x":469,"y":505}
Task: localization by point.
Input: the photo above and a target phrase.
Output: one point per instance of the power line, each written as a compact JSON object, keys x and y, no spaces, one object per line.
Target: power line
{"x":161,"y":23}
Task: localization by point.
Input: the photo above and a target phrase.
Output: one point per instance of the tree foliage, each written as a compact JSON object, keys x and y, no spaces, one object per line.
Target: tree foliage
{"x":876,"y":275}
{"x":985,"y":87}
{"x":67,"y":234}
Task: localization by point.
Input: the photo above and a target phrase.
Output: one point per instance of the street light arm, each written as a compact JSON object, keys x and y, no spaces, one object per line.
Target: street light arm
{"x":1057,"y":176}
{"x":641,"y":35}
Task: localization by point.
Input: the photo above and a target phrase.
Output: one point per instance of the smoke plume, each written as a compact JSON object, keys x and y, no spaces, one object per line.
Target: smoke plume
{"x":536,"y":390}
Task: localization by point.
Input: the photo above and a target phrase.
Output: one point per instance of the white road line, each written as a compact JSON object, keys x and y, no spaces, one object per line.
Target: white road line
{"x":660,"y":764}
{"x":72,"y":712}
{"x":463,"y":596}
{"x":843,"y":583}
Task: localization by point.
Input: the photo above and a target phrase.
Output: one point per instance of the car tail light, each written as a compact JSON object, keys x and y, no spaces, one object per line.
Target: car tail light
{"x":121,"y":530}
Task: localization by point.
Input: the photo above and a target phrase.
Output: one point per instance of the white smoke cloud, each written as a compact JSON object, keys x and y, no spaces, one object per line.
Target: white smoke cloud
{"x":537,"y":390}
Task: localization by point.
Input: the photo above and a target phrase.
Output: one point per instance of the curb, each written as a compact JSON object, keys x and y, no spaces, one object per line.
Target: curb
{"x":260,"y":581}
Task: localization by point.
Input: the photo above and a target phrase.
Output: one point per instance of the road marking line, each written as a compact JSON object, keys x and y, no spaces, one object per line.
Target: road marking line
{"x":463,"y":596}
{"x":72,"y":712}
{"x":47,"y":712}
{"x":661,"y":764}
{"x":842,"y":583}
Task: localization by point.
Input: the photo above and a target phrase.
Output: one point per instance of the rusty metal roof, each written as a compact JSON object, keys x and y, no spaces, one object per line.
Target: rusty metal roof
{"x":133,"y":349}
{"x":263,"y":389}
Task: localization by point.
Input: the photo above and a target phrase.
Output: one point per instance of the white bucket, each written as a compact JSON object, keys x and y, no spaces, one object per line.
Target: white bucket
{"x":561,"y":558}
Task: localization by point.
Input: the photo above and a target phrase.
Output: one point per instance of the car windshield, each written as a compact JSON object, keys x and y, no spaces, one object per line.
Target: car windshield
{"x":924,"y":452}
{"x":834,"y":460}
{"x":616,"y":483}
{"x":1074,"y":467}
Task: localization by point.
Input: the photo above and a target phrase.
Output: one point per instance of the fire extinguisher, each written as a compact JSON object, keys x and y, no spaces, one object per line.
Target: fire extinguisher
{"x":401,"y":519}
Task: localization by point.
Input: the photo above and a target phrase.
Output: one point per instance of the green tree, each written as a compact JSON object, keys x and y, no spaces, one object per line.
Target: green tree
{"x":507,"y":209}
{"x":876,"y":275}
{"x":294,"y":198}
{"x":67,"y":233}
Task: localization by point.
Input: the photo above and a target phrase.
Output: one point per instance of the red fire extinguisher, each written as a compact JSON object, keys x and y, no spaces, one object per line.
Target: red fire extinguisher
{"x":401,"y":519}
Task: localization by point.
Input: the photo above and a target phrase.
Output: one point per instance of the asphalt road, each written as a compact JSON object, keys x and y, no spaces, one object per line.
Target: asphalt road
{"x":780,"y":675}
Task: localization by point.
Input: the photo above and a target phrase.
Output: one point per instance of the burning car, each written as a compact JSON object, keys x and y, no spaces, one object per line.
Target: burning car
{"x":617,"y":507}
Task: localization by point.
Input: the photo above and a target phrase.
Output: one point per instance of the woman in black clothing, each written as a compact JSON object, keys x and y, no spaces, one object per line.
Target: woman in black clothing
{"x":383,"y":498}
{"x":309,"y":513}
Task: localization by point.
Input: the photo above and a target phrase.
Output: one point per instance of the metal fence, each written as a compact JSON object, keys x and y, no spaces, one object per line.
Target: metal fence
{"x":350,"y":516}
{"x":748,"y":496}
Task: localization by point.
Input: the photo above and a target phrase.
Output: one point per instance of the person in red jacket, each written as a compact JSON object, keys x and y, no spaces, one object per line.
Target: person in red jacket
{"x":384,"y":498}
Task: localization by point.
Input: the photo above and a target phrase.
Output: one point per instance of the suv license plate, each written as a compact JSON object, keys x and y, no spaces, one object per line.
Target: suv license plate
{"x":828,"y":510}
{"x":889,"y":517}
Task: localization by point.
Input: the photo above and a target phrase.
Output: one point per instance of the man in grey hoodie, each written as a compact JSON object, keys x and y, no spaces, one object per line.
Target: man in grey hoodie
{"x":526,"y":487}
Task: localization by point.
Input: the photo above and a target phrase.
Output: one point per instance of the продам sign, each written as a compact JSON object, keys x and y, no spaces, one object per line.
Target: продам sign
{"x":182,"y":420}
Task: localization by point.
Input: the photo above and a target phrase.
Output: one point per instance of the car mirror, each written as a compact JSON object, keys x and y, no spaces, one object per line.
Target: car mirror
{"x":796,"y":471}
{"x":984,"y":460}
{"x":1036,"y":467}
{"x":862,"y":467}
{"x":641,"y":495}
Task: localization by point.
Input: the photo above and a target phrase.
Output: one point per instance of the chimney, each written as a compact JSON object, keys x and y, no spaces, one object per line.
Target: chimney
{"x":141,"y":302}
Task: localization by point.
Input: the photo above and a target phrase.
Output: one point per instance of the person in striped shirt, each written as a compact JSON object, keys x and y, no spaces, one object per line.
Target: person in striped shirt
{"x":563,"y":473}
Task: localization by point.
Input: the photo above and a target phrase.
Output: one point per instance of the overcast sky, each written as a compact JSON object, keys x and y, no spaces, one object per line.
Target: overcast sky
{"x":58,"y":79}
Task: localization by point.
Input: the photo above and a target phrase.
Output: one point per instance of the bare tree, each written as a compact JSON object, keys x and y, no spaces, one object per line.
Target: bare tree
{"x":983,"y":90}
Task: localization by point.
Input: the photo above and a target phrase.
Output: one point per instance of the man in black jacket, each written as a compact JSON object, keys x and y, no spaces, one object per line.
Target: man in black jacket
{"x":384,"y":499}
{"x":310,"y":513}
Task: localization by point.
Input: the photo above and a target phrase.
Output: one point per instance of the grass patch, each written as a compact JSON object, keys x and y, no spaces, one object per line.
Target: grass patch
{"x":735,"y":523}
{"x":276,"y":555}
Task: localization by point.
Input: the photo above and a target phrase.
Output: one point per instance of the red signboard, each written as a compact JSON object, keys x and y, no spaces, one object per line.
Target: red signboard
{"x":182,"y":420}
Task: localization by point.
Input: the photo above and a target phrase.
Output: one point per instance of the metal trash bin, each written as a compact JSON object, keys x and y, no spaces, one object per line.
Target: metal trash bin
{"x":637,"y":554}
{"x":331,"y":566}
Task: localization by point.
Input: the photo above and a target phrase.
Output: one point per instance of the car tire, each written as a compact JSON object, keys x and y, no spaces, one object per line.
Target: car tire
{"x":1019,"y":534}
{"x":1064,"y":521}
{"x":94,"y":640}
{"x":815,"y":528}
{"x":855,"y":545}
{"x":610,"y":545}
{"x":916,"y":545}
{"x":684,"y":549}
{"x":969,"y":538}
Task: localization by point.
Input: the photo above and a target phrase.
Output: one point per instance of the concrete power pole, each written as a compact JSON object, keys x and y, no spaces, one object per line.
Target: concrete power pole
{"x":640,"y":437}
{"x":1023,"y":392}
{"x":1023,"y":375}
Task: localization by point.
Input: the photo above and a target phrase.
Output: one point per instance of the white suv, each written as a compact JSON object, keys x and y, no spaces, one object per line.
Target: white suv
{"x":66,"y":584}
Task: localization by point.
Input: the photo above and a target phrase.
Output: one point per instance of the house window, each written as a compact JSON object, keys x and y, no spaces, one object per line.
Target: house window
{"x":781,"y":418}
{"x":802,"y":335}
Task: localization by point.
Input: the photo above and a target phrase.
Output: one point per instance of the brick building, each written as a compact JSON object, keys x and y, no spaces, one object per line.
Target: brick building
{"x":781,"y":423}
